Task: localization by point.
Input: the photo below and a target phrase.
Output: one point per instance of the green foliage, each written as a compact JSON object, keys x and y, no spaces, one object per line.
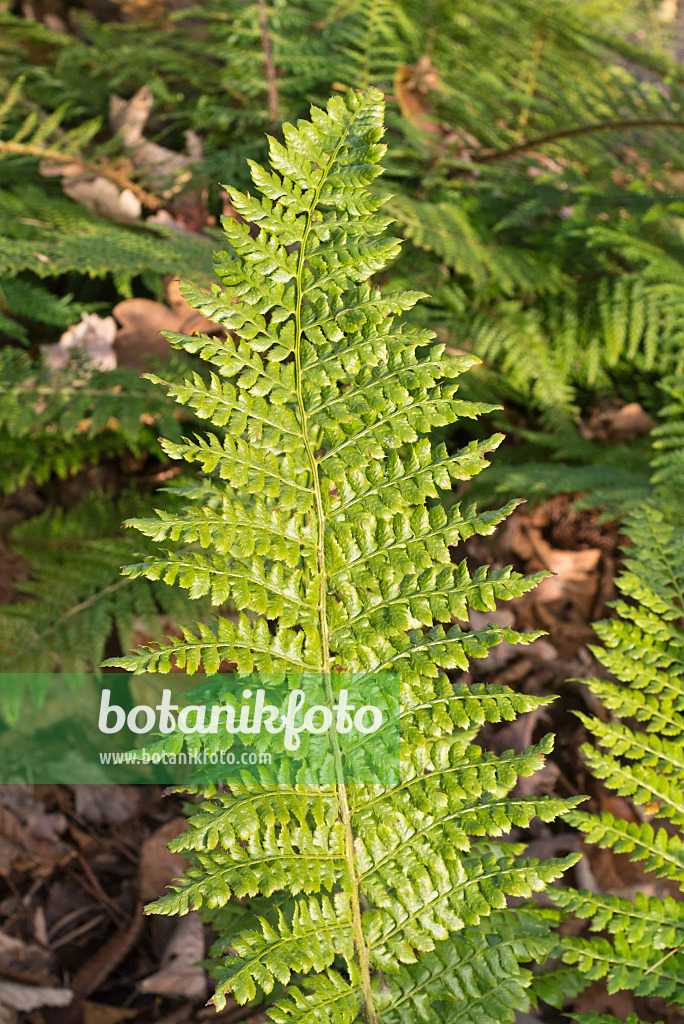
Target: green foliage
{"x":46,"y":236}
{"x":638,"y":754}
{"x":71,"y":239}
{"x":47,"y":239}
{"x":547,"y":210}
{"x":53,"y":422}
{"x":75,"y":599}
{"x":326,"y":530}
{"x":536,"y":176}
{"x":668,"y":449}
{"x":537,"y":179}
{"x":42,"y":137}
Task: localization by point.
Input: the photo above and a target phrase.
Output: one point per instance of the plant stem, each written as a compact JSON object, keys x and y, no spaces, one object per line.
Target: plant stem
{"x":362,"y":953}
{"x":267,"y":47}
{"x":492,"y":156}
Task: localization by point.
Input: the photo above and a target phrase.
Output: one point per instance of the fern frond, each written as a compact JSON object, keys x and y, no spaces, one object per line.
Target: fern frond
{"x":52,"y":421}
{"x":75,"y":598}
{"x":642,"y":760}
{"x":326,"y":529}
{"x":48,"y":235}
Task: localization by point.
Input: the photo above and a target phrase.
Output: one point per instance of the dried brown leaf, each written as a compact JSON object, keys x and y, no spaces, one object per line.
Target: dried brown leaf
{"x":138,"y":340}
{"x":26,"y":998}
{"x":160,"y":167}
{"x":107,"y":804}
{"x":412,"y":84}
{"x":29,"y":835}
{"x":94,"y":335}
{"x":158,"y":865}
{"x":180,"y":977}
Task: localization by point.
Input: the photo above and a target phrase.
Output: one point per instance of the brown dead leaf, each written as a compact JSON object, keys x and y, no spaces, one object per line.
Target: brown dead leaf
{"x":610,"y":803}
{"x":412,"y":84}
{"x":632,"y":421}
{"x":138,"y":340}
{"x":570,"y":541}
{"x":158,"y":865}
{"x":26,"y":998}
{"x":95,"y":192}
{"x":143,"y":10}
{"x":166,"y":220}
{"x":180,"y":977}
{"x":517,"y":735}
{"x":542,"y":783}
{"x":190,"y":319}
{"x":570,"y":565}
{"x":576,"y":573}
{"x":93,"y":335}
{"x":503,"y":652}
{"x":103,"y":197}
{"x":617,"y":423}
{"x":614,"y":871}
{"x":23,"y":961}
{"x":100,"y":1013}
{"x":107,"y":804}
{"x":29,"y":835}
{"x":161,"y":168}
{"x":595,"y":999}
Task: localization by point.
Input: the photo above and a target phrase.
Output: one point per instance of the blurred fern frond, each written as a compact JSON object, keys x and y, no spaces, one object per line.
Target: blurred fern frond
{"x":75,"y":599}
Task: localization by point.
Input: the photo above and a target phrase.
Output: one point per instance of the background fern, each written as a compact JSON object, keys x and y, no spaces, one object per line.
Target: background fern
{"x":636,"y":749}
{"x":55,"y":421}
{"x":536,"y":176}
{"x":638,"y":755}
{"x":76,"y":602}
{"x":75,"y":422}
{"x":537,"y":180}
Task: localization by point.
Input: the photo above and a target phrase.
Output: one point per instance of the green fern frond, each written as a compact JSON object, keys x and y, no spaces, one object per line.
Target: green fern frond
{"x":638,"y":753}
{"x":371,"y":37}
{"x":26,"y":300}
{"x":668,"y":448}
{"x":53,"y":421}
{"x":48,"y":235}
{"x":75,"y":599}
{"x":325,"y":529}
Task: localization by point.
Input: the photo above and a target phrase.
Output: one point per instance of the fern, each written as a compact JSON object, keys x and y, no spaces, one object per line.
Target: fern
{"x":538,"y":134}
{"x":52,"y":422}
{"x":325,"y":531}
{"x":44,"y":235}
{"x":49,"y":236}
{"x":638,"y":754}
{"x":545,"y":215}
{"x":75,"y":600}
{"x":668,"y":449}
